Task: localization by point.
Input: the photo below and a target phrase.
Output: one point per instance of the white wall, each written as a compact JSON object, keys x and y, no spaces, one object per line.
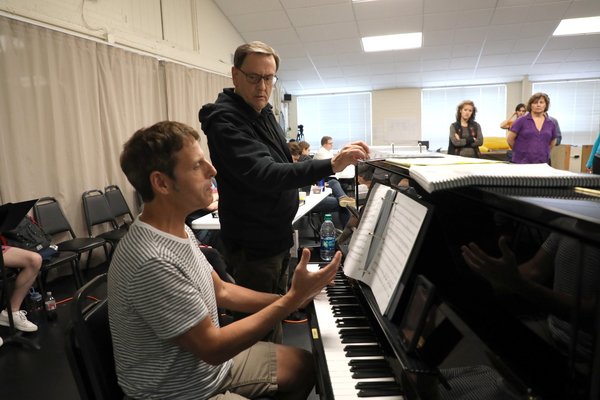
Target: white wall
{"x":183,"y":30}
{"x":396,"y":117}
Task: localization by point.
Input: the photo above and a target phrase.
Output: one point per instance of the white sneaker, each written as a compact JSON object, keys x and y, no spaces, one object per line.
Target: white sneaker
{"x":20,"y":320}
{"x":1,"y":342}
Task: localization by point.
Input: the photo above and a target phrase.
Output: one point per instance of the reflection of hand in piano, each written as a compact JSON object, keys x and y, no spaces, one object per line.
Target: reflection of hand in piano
{"x":307,"y":284}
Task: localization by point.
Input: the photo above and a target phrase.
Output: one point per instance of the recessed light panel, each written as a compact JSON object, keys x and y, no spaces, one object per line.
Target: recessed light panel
{"x":392,"y":42}
{"x":578,"y":26}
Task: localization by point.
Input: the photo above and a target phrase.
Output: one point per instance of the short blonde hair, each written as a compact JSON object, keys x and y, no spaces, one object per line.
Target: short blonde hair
{"x":251,"y":48}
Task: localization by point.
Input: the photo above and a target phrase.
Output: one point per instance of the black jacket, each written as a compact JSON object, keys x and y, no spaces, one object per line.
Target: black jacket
{"x":257,"y":181}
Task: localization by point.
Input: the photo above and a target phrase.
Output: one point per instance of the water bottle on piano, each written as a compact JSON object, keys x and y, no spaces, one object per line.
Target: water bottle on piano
{"x":327,"y":234}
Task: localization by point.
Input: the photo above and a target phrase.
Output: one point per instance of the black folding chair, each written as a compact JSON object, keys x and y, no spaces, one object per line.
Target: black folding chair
{"x":89,"y":345}
{"x":50,"y":217}
{"x":118,"y":205}
{"x":98,"y":214}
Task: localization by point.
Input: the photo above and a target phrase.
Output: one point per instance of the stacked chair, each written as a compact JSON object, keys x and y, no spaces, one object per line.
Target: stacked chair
{"x":98,"y":213}
{"x":49,"y":215}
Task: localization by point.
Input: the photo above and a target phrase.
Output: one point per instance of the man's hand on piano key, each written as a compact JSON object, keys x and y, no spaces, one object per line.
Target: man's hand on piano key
{"x":307,"y":284}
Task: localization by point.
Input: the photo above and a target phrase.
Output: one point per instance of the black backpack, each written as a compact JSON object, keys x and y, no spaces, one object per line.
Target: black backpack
{"x":28,"y":235}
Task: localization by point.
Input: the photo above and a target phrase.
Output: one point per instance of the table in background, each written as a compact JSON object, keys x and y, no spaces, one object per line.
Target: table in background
{"x":312,"y":199}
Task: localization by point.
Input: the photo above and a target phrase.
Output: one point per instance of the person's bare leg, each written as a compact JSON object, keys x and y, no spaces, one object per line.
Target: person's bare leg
{"x":295,"y":373}
{"x":30,"y":264}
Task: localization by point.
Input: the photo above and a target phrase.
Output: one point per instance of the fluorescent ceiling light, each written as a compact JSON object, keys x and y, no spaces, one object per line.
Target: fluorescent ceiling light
{"x":578,"y":26}
{"x":392,"y":42}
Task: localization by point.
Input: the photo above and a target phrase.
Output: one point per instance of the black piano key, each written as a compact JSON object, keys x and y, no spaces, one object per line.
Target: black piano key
{"x":360,"y":339}
{"x":378,"y":385}
{"x":372,"y":373}
{"x":380,"y":392}
{"x":343,"y":300}
{"x":369,"y":363}
{"x":345,"y":332}
{"x":351,"y":322}
{"x":347,"y":313}
{"x":362,"y":351}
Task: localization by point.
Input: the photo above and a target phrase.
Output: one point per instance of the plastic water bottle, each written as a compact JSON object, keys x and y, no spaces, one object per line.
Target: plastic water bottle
{"x":35,"y":300}
{"x":327,"y":233}
{"x":50,"y":306}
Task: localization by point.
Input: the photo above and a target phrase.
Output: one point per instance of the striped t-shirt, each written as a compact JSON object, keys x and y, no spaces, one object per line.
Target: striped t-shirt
{"x":566,"y":251}
{"x":160,"y":286}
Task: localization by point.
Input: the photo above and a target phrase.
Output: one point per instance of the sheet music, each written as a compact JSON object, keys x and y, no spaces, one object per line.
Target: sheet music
{"x":383,"y":275}
{"x":361,"y":239}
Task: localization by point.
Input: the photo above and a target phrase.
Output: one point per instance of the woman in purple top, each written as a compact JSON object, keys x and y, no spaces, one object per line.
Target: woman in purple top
{"x":533,"y":135}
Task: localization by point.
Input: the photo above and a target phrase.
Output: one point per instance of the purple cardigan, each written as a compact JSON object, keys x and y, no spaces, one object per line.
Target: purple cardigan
{"x":531,"y":146}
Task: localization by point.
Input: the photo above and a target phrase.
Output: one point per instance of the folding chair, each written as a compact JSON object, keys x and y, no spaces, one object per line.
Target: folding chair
{"x":89,"y":345}
{"x":50,"y":217}
{"x":98,"y":213}
{"x":118,"y":205}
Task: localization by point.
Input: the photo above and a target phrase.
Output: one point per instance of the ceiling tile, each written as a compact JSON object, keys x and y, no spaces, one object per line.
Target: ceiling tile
{"x":268,"y":20}
{"x":275,"y":37}
{"x":321,"y":15}
{"x":236,"y":7}
{"x":292,"y":4}
{"x":498,"y":47}
{"x":550,"y":56}
{"x":388,"y":26}
{"x":340,"y":30}
{"x":385,"y":9}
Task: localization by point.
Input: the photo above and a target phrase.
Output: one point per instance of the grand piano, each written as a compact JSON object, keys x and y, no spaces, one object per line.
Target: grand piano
{"x":483,"y":340}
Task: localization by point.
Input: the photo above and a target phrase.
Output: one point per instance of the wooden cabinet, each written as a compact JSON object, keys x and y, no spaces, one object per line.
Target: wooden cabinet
{"x":569,"y":158}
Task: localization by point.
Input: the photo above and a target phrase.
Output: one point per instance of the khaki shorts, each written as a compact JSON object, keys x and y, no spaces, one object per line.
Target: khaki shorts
{"x":253,"y":373}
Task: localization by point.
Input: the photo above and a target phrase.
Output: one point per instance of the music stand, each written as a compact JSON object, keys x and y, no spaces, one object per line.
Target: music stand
{"x":10,"y":216}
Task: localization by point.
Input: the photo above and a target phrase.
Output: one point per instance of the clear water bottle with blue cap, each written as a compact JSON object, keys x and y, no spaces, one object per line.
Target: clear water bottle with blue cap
{"x":35,"y":300}
{"x":327,"y":234}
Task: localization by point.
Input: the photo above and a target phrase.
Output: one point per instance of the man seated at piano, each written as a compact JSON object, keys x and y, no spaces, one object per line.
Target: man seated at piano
{"x":556,"y":261}
{"x":163,"y":295}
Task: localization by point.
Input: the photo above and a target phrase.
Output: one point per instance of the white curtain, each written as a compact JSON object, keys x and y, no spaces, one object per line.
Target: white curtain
{"x":130,"y":97}
{"x":67,"y":105}
{"x":49,"y":108}
{"x":187,"y":90}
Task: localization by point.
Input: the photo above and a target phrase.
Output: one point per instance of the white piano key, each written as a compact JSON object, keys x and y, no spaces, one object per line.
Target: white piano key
{"x":342,"y":383}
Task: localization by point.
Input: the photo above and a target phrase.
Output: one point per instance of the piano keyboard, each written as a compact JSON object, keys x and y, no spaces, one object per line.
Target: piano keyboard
{"x":355,"y":360}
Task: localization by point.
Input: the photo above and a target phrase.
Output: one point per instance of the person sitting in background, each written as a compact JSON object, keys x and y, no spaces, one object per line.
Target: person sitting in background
{"x":305,"y":151}
{"x":532,"y":136}
{"x":520,"y":110}
{"x":324,"y":151}
{"x":29,"y":263}
{"x":593,"y":163}
{"x":558,"y":131}
{"x":337,"y":201}
{"x":207,"y":237}
{"x":295,"y":151}
{"x":164,"y":297}
{"x":364,"y":178}
{"x":465,"y":133}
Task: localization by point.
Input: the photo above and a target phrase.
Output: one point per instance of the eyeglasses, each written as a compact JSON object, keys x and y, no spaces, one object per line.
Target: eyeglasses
{"x":256,"y":78}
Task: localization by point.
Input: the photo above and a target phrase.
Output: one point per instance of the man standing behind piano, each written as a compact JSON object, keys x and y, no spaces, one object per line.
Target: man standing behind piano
{"x":258,"y":182}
